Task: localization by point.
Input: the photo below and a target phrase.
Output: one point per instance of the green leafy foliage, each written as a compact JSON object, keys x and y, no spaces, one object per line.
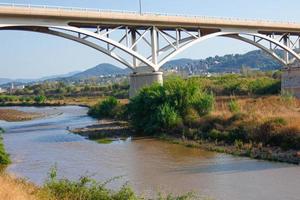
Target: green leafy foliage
{"x":159,"y":108}
{"x":233,"y":106}
{"x":88,"y":189}
{"x":234,"y":84}
{"x":108,"y":108}
{"x":40,"y":99}
{"x":4,"y":157}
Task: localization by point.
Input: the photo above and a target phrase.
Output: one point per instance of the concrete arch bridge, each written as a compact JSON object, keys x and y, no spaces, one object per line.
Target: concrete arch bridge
{"x":145,"y":42}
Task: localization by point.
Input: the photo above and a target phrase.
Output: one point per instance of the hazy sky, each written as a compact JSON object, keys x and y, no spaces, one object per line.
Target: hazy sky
{"x":32,"y":55}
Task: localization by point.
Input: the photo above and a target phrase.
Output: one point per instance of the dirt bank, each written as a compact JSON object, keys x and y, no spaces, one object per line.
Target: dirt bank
{"x":11,"y":115}
{"x":105,"y":129}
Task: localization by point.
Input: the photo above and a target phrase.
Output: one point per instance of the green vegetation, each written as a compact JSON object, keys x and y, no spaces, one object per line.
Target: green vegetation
{"x":4,"y":157}
{"x":60,"y":93}
{"x":241,"y":128}
{"x":233,"y":106}
{"x":234,"y":84}
{"x":158,"y":109}
{"x":22,"y":100}
{"x":182,"y":108}
{"x":108,"y":108}
{"x":88,"y":189}
{"x":60,"y":90}
{"x":40,"y":99}
{"x":104,"y":141}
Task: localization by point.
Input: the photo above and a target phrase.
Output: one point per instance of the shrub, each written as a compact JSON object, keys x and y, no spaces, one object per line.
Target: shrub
{"x":191,"y":118}
{"x":204,"y":103}
{"x":40,"y":99}
{"x":234,"y":84}
{"x":108,"y":108}
{"x":88,"y":189}
{"x":159,"y":108}
{"x":264,"y":85}
{"x":4,"y":157}
{"x":233,"y":106}
{"x":237,"y":134}
{"x":218,"y":135}
{"x":168,"y":116}
{"x":266,"y":132}
{"x":85,"y":189}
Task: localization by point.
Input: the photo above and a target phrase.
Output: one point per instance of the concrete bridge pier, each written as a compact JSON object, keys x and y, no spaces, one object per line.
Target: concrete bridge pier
{"x":140,"y":80}
{"x":290,"y":81}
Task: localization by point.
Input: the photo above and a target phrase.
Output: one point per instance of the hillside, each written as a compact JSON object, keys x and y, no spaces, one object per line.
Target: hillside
{"x":104,"y":69}
{"x":257,"y":60}
{"x":229,"y":63}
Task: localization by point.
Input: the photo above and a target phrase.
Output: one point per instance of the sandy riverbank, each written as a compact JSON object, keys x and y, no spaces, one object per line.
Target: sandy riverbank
{"x":11,"y":115}
{"x":105,"y":129}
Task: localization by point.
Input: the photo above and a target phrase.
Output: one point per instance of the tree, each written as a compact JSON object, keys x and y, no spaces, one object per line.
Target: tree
{"x":40,"y":99}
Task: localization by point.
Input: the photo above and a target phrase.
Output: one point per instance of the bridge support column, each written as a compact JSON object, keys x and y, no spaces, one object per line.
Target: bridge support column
{"x":140,"y":80}
{"x":290,"y":81}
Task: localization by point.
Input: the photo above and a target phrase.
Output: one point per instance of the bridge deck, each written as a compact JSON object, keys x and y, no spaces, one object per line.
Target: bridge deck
{"x":82,"y":17}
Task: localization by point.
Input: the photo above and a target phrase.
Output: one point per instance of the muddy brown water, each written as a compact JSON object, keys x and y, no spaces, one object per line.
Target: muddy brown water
{"x":148,"y":165}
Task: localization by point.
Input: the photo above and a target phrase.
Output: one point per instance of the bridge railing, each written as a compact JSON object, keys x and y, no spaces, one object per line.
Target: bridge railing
{"x":134,"y":12}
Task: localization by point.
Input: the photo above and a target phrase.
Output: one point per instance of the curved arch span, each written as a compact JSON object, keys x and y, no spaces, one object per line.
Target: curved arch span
{"x":51,"y":30}
{"x":62,"y":31}
{"x":191,"y":41}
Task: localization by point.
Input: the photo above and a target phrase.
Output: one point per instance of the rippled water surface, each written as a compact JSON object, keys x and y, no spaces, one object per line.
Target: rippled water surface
{"x":149,"y":165}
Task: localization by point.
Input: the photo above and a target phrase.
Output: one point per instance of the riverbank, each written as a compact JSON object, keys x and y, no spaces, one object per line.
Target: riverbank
{"x":66,"y":101}
{"x":263,"y":127}
{"x":105,"y":131}
{"x":13,"y":188}
{"x":12,"y":115}
{"x":4,"y":156}
{"x":109,"y":130}
{"x":274,"y":154}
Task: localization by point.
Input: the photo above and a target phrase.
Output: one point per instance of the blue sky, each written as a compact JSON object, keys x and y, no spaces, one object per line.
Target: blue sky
{"x":33,"y":55}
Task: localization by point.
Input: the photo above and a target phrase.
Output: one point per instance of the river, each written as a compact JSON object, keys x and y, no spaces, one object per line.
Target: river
{"x":148,"y":165}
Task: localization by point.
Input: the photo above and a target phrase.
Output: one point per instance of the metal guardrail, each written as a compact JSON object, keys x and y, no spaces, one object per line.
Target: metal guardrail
{"x":133,"y":12}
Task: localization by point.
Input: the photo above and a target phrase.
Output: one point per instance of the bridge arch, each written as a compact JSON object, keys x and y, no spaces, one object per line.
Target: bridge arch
{"x":177,"y":45}
{"x":238,"y":36}
{"x":60,"y":31}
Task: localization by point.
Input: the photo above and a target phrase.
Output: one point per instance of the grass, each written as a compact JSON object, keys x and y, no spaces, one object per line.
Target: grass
{"x":17,"y":189}
{"x":80,"y":100}
{"x":11,"y":115}
{"x":63,"y":189}
{"x":4,"y":157}
{"x":104,"y":141}
{"x":262,"y":108}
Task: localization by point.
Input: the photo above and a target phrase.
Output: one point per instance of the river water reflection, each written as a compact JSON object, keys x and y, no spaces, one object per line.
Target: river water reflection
{"x":148,"y":165}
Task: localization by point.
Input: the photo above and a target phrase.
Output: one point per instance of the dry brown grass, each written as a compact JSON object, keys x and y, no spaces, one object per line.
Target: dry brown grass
{"x":263,"y":108}
{"x":15,"y":115}
{"x":88,"y":101}
{"x":17,"y":189}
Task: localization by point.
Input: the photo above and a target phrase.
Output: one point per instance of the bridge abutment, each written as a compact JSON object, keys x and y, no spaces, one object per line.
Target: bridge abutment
{"x":141,"y":80}
{"x":290,"y":81}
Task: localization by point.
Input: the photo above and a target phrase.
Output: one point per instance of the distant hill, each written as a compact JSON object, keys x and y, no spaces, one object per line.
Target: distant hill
{"x":218,"y":64}
{"x":104,"y":69}
{"x":257,"y":59}
{"x":6,"y":82}
{"x":59,"y":76}
{"x":229,"y":63}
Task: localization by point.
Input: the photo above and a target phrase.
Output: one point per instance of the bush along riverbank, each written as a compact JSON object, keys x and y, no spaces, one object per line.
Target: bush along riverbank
{"x":263,"y":127}
{"x":4,"y":157}
{"x":63,"y":189}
